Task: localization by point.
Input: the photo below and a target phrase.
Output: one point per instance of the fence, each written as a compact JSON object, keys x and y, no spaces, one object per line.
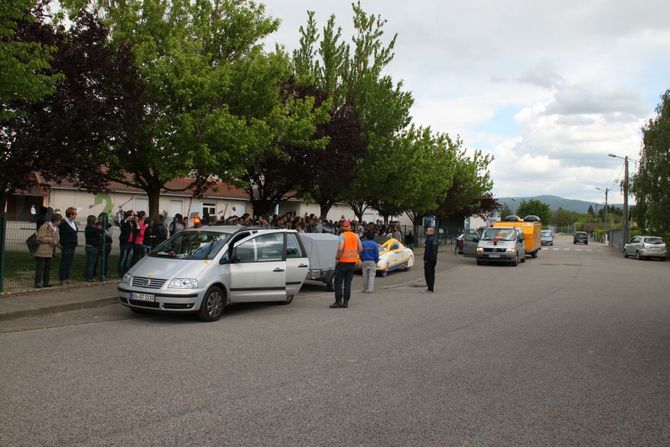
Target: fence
{"x":17,"y":265}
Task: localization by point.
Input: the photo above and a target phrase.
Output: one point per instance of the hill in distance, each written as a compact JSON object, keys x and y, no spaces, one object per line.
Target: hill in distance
{"x":554,"y":203}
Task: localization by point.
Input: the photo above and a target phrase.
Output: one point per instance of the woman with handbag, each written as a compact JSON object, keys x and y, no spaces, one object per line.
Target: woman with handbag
{"x":48,"y":238}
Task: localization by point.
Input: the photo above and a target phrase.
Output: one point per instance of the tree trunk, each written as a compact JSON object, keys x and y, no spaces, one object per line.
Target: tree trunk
{"x":154,"y":202}
{"x":325,"y":207}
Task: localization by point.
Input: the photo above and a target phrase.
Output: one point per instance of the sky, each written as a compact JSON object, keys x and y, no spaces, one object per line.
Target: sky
{"x":549,"y":88}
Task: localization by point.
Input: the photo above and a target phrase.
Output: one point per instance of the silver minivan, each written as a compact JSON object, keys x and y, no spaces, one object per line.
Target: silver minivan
{"x":202,"y":270}
{"x":501,"y":244}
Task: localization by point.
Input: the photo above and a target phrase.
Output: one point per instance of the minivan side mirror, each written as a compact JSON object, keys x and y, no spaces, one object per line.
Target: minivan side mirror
{"x":475,"y":239}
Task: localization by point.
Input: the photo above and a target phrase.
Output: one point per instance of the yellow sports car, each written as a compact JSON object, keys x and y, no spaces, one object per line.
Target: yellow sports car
{"x":393,"y":255}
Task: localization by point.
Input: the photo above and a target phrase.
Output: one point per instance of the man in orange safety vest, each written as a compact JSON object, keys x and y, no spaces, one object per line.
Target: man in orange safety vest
{"x":347,"y":253}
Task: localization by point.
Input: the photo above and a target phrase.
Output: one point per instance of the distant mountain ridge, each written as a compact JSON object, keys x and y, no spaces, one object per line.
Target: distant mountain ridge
{"x":554,"y":203}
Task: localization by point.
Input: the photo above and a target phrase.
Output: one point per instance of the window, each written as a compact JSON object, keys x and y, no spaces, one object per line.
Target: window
{"x":192,"y":245}
{"x":293,"y":248}
{"x":264,"y":248}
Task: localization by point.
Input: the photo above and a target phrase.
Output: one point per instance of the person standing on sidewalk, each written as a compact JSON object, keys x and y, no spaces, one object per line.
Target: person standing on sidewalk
{"x":48,"y":238}
{"x":347,"y":252}
{"x":93,"y":236}
{"x":68,"y":242}
{"x":126,"y":243}
{"x":430,"y":259}
{"x":370,"y":258}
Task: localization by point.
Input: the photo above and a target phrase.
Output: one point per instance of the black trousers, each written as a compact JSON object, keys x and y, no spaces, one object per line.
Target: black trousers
{"x":42,"y":271}
{"x":429,"y":272}
{"x":344,"y":274}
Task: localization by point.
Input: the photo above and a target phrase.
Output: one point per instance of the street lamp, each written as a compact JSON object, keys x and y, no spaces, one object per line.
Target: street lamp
{"x":625,"y":196}
{"x":606,"y":220}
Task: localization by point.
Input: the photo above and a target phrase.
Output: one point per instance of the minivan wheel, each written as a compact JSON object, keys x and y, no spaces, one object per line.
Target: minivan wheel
{"x":330,"y":285}
{"x":515,"y":261}
{"x":212,"y":304}
{"x":637,"y":256}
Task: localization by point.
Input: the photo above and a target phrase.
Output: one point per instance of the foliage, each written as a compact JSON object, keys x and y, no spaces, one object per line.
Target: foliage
{"x":470,"y":191}
{"x":24,"y":61}
{"x":284,"y":129}
{"x":365,"y":104}
{"x":651,"y":185}
{"x":506,"y":211}
{"x":536,"y":207}
{"x":178,"y":114}
{"x":62,"y":135}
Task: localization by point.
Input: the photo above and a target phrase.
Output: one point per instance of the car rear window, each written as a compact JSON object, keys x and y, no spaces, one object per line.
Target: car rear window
{"x":653,"y":240}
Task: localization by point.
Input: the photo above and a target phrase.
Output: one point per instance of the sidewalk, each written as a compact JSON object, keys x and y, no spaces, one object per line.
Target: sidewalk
{"x":34,"y":302}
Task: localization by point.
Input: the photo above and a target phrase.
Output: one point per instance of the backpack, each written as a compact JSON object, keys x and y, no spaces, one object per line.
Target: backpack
{"x":32,"y":243}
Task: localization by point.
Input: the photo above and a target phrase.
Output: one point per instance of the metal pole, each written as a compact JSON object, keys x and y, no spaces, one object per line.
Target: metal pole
{"x":103,"y":255}
{"x":607,"y":224}
{"x":3,"y":237}
{"x":625,"y":201}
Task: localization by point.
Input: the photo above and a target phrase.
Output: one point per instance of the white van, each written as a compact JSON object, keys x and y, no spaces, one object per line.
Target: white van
{"x":501,"y":244}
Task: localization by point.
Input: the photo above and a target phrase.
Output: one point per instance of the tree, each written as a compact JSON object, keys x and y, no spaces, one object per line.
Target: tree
{"x":26,"y":78}
{"x":562,"y":218}
{"x":506,"y":211}
{"x":469,"y":193}
{"x":534,"y":207}
{"x":283,"y":128}
{"x":651,"y":184}
{"x":178,"y":120}
{"x":62,"y":135}
{"x":363,"y":104}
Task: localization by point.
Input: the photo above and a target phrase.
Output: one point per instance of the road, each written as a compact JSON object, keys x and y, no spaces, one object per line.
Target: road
{"x":571,"y":348}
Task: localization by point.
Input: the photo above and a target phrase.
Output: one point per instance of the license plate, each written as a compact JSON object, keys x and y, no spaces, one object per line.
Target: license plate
{"x":142,"y":297}
{"x":494,"y":256}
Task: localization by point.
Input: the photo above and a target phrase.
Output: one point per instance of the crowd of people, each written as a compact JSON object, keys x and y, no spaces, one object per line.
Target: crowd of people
{"x":140,"y":233}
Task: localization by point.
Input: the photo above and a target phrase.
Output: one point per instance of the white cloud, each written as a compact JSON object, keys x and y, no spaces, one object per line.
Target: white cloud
{"x":549,"y":88}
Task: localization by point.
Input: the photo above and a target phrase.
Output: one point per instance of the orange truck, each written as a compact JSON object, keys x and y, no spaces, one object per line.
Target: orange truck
{"x":531,"y":227}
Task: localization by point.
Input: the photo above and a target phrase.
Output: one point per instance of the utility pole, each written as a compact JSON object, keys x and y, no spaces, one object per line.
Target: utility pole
{"x":625,"y":200}
{"x":625,"y":196}
{"x":607,"y":222}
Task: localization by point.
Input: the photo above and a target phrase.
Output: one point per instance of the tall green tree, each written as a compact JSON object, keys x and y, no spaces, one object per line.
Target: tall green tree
{"x":283,"y":117}
{"x":415,"y":173}
{"x":535,"y":207}
{"x":470,"y":191}
{"x":27,"y":41}
{"x":651,"y":184}
{"x":179,"y":122}
{"x":365,"y":104}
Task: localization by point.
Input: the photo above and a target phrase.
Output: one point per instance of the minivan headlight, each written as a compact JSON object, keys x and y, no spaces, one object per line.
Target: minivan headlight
{"x":183,"y":283}
{"x":126,"y":278}
{"x":510,"y":250}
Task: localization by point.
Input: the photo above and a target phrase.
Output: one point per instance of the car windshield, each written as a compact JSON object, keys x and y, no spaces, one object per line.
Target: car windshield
{"x":545,"y":232}
{"x":192,"y":245}
{"x":490,"y":234}
{"x":653,"y":240}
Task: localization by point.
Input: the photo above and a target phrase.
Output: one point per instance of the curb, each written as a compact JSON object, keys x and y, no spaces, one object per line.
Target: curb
{"x":58,"y":308}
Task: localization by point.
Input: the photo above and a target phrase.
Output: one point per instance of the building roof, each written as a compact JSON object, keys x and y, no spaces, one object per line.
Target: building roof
{"x":176,"y":187}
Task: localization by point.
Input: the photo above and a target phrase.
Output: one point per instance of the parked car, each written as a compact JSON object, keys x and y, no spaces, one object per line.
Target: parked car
{"x":501,"y":244}
{"x":202,"y":270}
{"x":581,"y":238}
{"x":646,"y":247}
{"x":546,"y":237}
{"x":393,"y":255}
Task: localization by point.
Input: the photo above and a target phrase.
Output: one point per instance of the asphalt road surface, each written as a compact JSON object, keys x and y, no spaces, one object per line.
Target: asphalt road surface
{"x":571,"y":348}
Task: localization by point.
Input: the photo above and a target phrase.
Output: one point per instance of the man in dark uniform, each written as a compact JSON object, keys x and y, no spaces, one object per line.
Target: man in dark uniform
{"x":430,"y":259}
